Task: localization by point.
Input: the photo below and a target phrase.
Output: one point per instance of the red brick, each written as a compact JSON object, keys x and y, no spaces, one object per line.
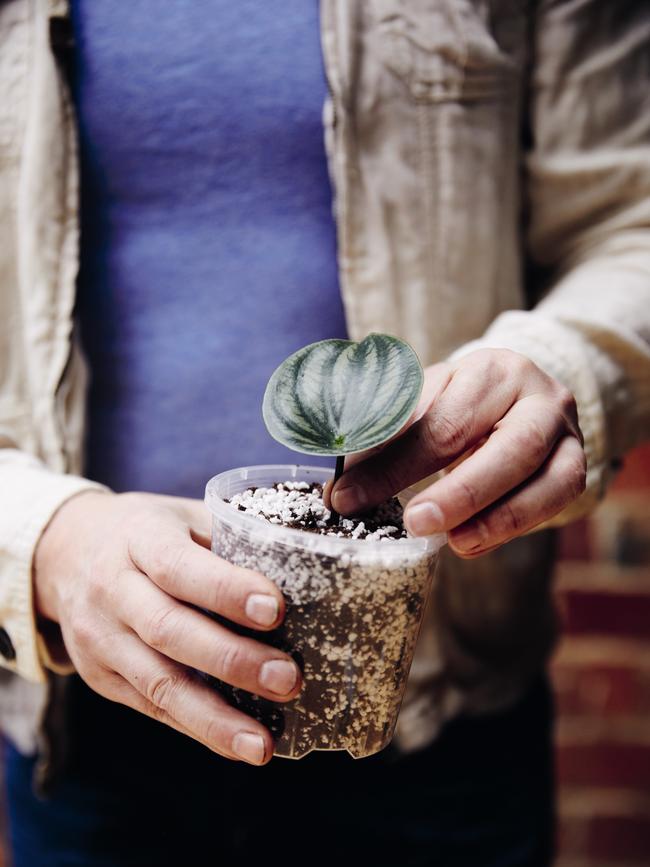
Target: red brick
{"x":609,"y":764}
{"x":606,"y":614}
{"x":602,"y":690}
{"x":604,"y":599}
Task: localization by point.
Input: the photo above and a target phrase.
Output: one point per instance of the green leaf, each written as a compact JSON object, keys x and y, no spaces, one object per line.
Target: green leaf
{"x":335,"y":397}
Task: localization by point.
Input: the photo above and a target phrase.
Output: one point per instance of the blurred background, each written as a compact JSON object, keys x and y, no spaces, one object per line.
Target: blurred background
{"x":601,"y":674}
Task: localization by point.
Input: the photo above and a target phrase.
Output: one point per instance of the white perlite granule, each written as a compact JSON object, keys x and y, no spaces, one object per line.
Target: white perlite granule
{"x":300,"y":504}
{"x":352,"y":622}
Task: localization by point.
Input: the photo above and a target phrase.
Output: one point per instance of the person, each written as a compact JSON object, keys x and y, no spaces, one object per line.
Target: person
{"x":490,"y":177}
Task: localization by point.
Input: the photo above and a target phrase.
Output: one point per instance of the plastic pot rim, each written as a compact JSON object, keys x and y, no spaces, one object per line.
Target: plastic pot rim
{"x":276,"y":534}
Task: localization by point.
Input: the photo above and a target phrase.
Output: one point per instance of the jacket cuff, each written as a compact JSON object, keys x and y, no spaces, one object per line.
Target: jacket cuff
{"x":33,"y":495}
{"x":562,"y":353}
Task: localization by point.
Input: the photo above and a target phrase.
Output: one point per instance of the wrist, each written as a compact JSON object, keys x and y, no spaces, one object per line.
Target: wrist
{"x":55,"y":552}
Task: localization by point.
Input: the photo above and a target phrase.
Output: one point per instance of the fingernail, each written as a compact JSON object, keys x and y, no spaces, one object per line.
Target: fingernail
{"x":262,"y":609}
{"x":249,"y":747}
{"x":423,"y":519}
{"x":278,"y":676}
{"x":470,"y":536}
{"x":351,"y":498}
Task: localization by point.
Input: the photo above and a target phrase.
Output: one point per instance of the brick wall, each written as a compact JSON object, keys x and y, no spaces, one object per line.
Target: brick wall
{"x":601,"y":675}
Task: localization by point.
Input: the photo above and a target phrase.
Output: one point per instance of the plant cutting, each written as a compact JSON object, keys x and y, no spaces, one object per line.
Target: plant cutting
{"x":354,"y":589}
{"x":336,"y":397}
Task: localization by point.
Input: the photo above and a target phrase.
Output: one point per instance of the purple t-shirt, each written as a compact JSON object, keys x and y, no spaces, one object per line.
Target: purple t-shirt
{"x":208,"y":242}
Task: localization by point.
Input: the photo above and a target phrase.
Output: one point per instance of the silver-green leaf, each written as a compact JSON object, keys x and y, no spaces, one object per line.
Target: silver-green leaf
{"x":336,"y":397}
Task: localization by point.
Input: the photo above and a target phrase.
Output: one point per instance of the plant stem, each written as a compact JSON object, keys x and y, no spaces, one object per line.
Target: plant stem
{"x":338,"y":472}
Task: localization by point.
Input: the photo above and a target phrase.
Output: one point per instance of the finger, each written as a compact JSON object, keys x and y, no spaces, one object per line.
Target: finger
{"x":193,"y":512}
{"x":189,"y":572}
{"x":191,"y":638}
{"x":173,"y":693}
{"x":436,"y":379}
{"x":199,"y":520}
{"x":472,"y":402}
{"x":558,"y":483}
{"x":115,"y":688}
{"x":515,"y":450}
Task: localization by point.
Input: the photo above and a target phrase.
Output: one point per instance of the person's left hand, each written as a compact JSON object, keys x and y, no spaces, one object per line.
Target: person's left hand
{"x":517,"y":430}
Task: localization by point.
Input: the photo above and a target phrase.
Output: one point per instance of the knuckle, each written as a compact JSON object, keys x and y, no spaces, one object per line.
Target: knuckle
{"x":83,"y":633}
{"x":464,"y":495}
{"x":496,"y":364}
{"x":508,"y":521}
{"x":576,"y":476}
{"x":566,"y":402}
{"x":530,"y":445}
{"x":170,"y":563}
{"x":96,"y":590}
{"x":446,"y":436}
{"x":163,"y":562}
{"x":521,"y":362}
{"x":213,"y":732}
{"x":225,"y":593}
{"x":506,"y":362}
{"x":231,"y":662}
{"x":162,"y":627}
{"x":163,"y":689}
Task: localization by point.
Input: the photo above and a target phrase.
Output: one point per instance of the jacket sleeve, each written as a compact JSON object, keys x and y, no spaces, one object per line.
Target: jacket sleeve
{"x":31,"y":494}
{"x":587,"y":179}
{"x":38,"y":237}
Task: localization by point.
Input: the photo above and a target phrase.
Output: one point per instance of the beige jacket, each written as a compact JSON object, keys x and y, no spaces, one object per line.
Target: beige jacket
{"x":491,"y":167}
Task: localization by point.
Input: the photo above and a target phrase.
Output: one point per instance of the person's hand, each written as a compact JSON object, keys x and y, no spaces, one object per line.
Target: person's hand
{"x":119,"y":574}
{"x":517,"y":430}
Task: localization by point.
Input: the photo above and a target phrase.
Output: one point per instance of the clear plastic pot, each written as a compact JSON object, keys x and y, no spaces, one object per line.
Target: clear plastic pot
{"x":354,"y":609}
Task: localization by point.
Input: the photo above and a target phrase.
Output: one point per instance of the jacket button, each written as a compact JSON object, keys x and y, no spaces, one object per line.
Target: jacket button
{"x":6,"y":646}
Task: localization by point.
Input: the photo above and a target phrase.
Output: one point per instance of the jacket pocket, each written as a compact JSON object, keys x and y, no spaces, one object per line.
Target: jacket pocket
{"x":445,"y":50}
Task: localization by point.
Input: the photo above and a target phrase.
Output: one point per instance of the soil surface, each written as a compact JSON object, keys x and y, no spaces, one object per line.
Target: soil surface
{"x":300,"y":505}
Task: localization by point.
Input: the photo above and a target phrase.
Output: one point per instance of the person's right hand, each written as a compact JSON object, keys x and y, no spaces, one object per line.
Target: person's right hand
{"x":119,"y":572}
